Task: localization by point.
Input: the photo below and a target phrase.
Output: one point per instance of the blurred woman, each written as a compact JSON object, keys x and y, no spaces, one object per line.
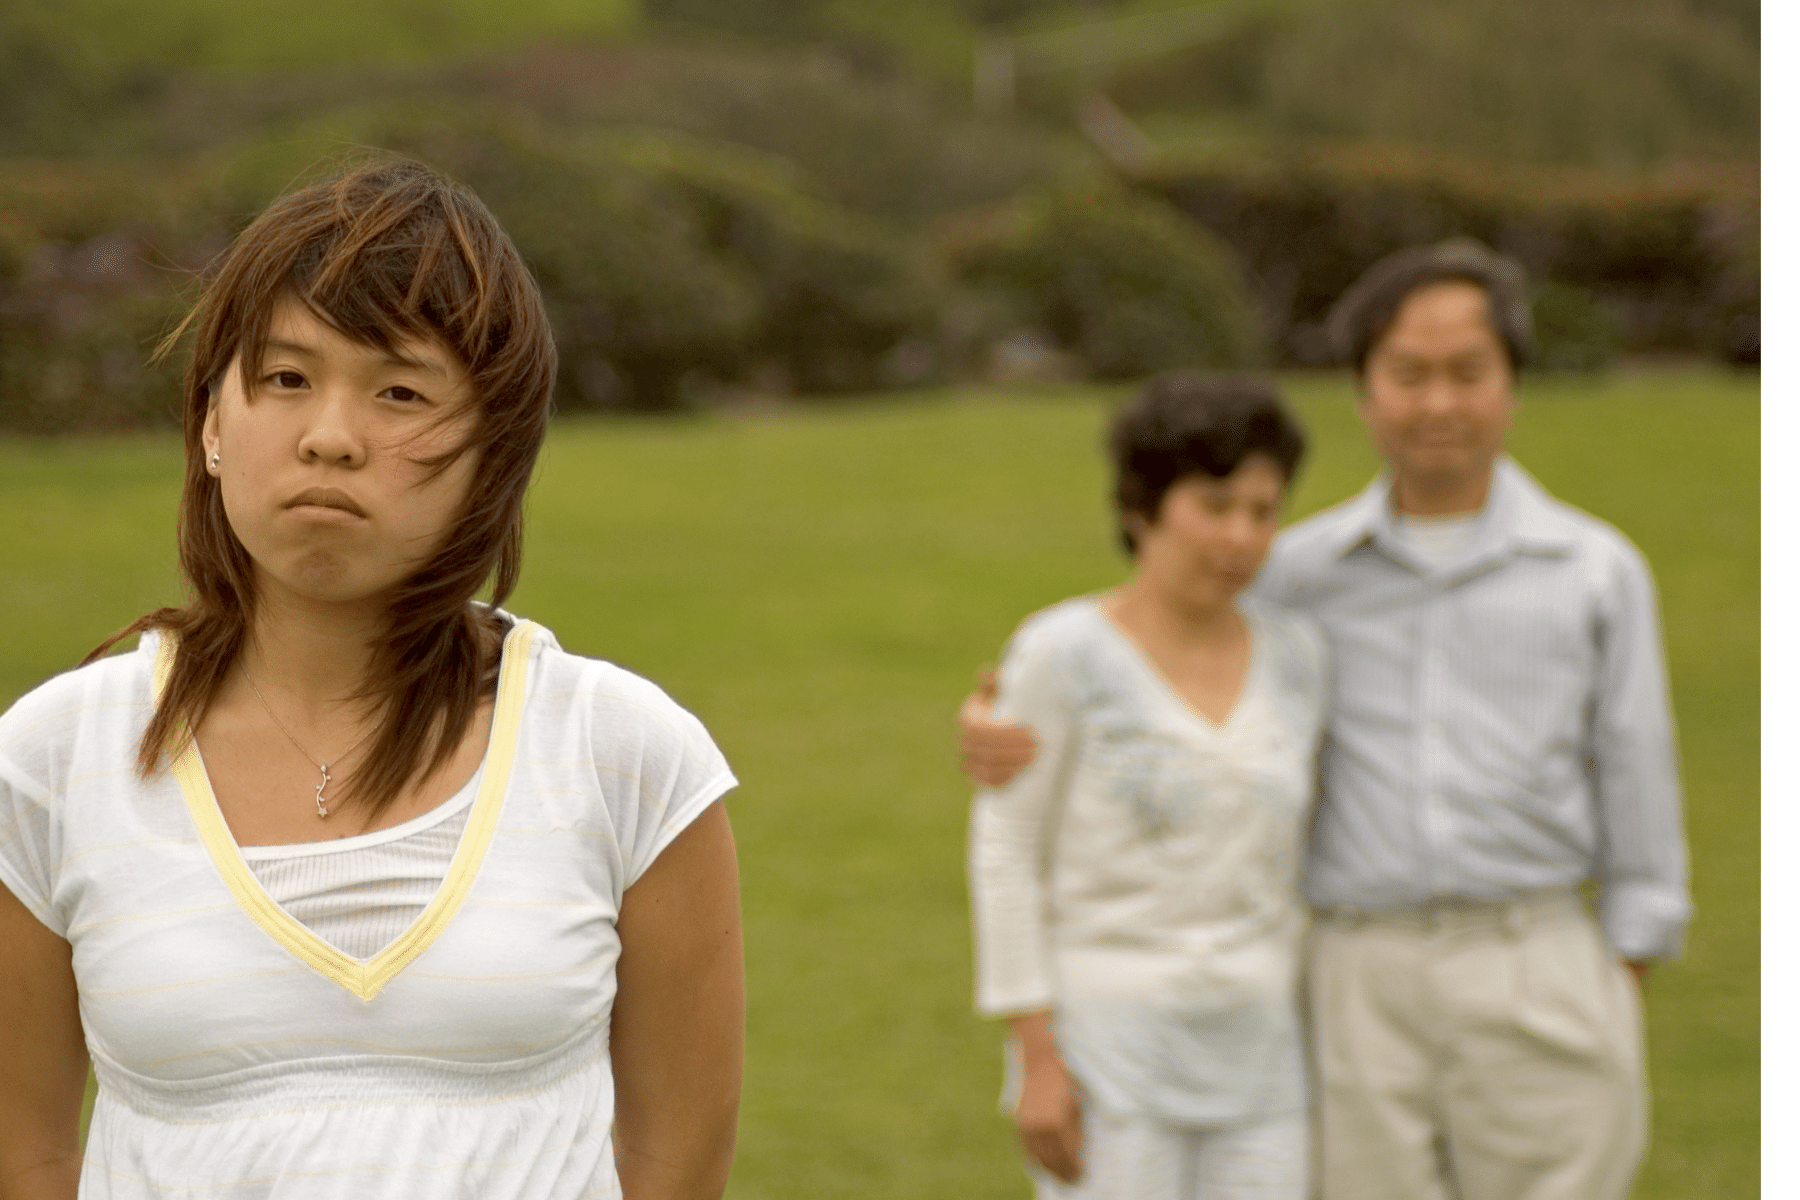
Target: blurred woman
{"x":347,"y":884}
{"x":1135,"y":887}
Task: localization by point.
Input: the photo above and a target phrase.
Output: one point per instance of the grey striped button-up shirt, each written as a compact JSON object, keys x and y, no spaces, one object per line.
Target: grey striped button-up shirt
{"x":1500,"y":722}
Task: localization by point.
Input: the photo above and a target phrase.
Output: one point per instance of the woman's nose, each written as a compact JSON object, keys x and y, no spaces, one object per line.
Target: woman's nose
{"x":331,"y":435}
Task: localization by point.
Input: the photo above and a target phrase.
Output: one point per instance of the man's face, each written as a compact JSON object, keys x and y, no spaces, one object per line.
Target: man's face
{"x":1437,"y":389}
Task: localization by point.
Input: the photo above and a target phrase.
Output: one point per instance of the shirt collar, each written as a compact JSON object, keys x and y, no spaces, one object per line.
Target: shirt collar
{"x":1520,"y":517}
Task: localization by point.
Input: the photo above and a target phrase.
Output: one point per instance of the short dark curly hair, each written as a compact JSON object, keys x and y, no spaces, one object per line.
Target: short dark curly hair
{"x":1194,"y":423}
{"x":1367,"y":308}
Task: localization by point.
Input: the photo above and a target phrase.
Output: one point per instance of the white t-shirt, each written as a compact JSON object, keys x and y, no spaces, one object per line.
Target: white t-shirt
{"x":241,"y":1055}
{"x":1141,"y":877}
{"x":1438,"y":539}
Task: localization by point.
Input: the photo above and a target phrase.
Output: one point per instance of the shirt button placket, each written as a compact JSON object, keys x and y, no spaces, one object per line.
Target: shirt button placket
{"x":1432,"y":691}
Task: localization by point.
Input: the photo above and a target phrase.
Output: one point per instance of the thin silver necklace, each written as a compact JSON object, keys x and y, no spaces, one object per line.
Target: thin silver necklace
{"x":324,"y":767}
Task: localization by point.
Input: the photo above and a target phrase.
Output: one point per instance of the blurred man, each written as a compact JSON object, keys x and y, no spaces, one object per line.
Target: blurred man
{"x":1501,"y":735}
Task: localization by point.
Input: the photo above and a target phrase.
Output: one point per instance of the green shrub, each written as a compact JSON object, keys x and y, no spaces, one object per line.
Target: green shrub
{"x":93,"y":266}
{"x":1672,"y":260}
{"x":1115,"y":278}
{"x":1575,"y":332}
{"x":1614,"y":83}
{"x":78,"y":362}
{"x":662,"y":258}
{"x":879,"y":143}
{"x":838,"y":291}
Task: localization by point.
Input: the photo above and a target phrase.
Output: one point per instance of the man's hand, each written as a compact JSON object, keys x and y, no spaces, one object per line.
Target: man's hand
{"x":1048,"y":1118}
{"x":992,"y":751}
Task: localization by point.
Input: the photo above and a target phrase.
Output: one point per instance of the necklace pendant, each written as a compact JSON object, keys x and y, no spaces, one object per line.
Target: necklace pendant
{"x":319,"y":796}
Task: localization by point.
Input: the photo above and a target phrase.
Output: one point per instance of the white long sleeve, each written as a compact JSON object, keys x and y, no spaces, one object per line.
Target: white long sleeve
{"x":1140,"y":880}
{"x":1009,"y":834}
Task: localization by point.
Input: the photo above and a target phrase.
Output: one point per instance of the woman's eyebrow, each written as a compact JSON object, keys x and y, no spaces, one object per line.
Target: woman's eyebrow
{"x":430,"y":366}
{"x":291,"y":347}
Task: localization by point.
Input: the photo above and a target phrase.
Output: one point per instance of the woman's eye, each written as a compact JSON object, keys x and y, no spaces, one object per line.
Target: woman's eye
{"x":398,"y":392}
{"x":288,"y":379}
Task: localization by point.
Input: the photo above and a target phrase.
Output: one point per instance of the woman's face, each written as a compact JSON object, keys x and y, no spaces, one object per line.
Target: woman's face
{"x":1211,"y":535}
{"x":317,"y":461}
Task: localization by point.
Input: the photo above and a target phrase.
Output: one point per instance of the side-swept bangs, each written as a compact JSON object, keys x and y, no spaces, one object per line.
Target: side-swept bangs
{"x":387,"y":252}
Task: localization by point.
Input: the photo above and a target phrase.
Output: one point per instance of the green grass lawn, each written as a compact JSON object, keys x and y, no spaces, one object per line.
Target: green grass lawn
{"x":820,"y":587}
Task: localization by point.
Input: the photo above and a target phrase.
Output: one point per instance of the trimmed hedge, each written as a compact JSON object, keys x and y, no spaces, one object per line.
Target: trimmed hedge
{"x":839,"y":292}
{"x":94,"y":263}
{"x":1114,"y":278}
{"x":1672,"y":264}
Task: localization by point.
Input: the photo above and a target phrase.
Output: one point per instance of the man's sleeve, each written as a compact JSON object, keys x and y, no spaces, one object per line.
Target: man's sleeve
{"x":1009,"y":832}
{"x":1643,"y":868}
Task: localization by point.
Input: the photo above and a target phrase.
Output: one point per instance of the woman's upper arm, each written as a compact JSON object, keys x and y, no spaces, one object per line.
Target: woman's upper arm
{"x":1008,"y":829}
{"x":678,"y":1018}
{"x":43,"y":1059}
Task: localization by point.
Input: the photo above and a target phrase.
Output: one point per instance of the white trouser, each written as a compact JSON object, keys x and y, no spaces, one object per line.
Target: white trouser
{"x":1477,"y":1051}
{"x":1131,"y":1158}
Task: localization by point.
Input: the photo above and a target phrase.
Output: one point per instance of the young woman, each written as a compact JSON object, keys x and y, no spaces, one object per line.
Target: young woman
{"x":1137,"y":911}
{"x":347,"y":884}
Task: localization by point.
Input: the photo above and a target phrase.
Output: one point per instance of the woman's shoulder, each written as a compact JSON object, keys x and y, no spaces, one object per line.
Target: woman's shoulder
{"x":591,"y":721}
{"x":116,"y":690}
{"x":1061,"y":625}
{"x":604,"y":698}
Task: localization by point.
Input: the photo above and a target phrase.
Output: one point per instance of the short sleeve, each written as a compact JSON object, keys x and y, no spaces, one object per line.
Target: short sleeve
{"x":27,"y":833}
{"x":655,"y":762}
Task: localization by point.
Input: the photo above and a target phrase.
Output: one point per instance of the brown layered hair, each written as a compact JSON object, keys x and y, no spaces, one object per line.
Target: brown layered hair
{"x":386,"y":252}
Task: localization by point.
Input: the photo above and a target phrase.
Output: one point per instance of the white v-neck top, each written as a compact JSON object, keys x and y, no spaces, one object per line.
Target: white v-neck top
{"x":360,"y":893}
{"x":241,"y":1055}
{"x":1141,"y":877}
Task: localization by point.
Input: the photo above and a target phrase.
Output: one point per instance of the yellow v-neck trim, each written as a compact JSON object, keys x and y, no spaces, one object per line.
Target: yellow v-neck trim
{"x":366,"y":979}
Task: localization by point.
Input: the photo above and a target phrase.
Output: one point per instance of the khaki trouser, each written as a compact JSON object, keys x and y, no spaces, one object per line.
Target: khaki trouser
{"x":1477,"y":1051}
{"x":1131,"y":1158}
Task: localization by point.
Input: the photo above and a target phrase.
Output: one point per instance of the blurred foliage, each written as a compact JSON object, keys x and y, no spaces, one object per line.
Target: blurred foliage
{"x":635,"y":298}
{"x":74,"y":69}
{"x":886,"y":144}
{"x":94,"y":262}
{"x":1117,"y":279}
{"x":1575,"y":330}
{"x":798,"y":197}
{"x":839,"y":292}
{"x":668,"y":262}
{"x":1614,"y":83}
{"x":1675,"y":261}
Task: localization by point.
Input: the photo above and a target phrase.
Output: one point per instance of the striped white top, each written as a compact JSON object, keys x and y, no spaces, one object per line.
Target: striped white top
{"x":1500,"y":717}
{"x":1141,"y":877}
{"x":360,"y":893}
{"x":240,"y":1055}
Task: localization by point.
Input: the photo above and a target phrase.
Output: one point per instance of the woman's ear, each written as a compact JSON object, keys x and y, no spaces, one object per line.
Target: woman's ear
{"x":209,"y":431}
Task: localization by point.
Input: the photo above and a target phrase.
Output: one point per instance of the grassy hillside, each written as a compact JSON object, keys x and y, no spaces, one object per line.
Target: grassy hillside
{"x":819,"y":587}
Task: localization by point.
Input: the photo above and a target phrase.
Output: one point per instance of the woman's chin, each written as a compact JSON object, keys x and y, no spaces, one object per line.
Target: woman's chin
{"x":320,"y":577}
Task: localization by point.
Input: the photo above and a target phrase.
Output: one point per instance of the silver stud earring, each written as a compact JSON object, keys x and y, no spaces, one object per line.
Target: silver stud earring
{"x":214,"y":462}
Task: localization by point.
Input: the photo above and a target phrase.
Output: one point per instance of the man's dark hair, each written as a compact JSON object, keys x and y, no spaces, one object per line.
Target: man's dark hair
{"x":1368,"y":307}
{"x":1194,"y":423}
